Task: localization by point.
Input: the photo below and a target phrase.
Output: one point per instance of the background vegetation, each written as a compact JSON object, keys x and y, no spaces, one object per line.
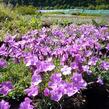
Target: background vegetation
{"x":18,"y":20}
{"x":51,"y":4}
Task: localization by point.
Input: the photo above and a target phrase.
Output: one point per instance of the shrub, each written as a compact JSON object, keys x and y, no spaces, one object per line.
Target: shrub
{"x":6,"y":13}
{"x":22,"y":25}
{"x":26,"y":10}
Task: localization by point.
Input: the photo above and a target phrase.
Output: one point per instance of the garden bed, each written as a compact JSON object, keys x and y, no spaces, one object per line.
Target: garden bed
{"x":56,"y":68}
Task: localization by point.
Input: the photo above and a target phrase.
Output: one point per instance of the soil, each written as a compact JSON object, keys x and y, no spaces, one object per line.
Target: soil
{"x":15,"y":104}
{"x":95,"y":97}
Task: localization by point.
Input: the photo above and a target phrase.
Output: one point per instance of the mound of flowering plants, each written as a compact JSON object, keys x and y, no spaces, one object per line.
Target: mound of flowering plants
{"x":52,"y":64}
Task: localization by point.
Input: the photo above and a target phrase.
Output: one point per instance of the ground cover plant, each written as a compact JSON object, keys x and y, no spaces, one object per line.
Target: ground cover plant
{"x":50,"y":67}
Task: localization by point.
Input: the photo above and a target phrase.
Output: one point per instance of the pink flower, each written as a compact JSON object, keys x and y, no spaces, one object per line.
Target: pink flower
{"x":32,"y":90}
{"x":4,"y":105}
{"x":66,"y":70}
{"x":26,"y":104}
{"x":5,"y":87}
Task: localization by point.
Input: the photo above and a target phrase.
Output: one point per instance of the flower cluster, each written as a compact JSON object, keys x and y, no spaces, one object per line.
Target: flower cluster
{"x":26,"y":104}
{"x":5,"y":87}
{"x":3,"y":63}
{"x":70,"y":51}
{"x":57,"y":87}
{"x":4,"y":105}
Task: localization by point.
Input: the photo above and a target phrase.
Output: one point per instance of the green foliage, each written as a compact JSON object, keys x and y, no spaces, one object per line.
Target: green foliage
{"x":100,"y":1}
{"x":49,"y":13}
{"x":95,"y":23}
{"x":15,"y":21}
{"x":46,"y":103}
{"x":103,"y":6}
{"x":6,"y":13}
{"x":91,"y":7}
{"x":102,"y":22}
{"x":22,"y":25}
{"x":20,"y":76}
{"x":26,"y":10}
{"x":65,"y":23}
